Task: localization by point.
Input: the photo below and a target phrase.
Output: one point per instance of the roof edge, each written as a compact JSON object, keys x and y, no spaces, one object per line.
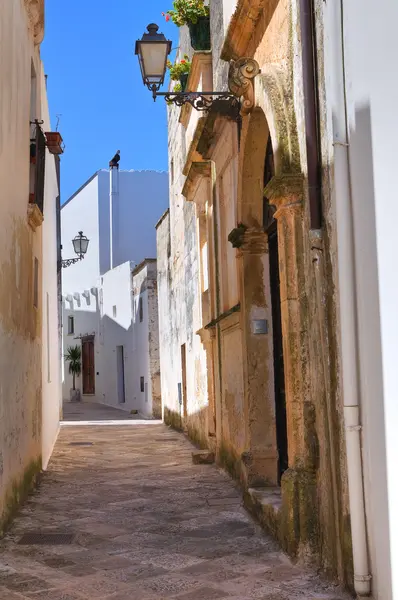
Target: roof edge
{"x":89,"y":180}
{"x":162,"y":218}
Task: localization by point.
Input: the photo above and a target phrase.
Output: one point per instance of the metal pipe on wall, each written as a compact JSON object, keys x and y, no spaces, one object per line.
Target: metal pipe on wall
{"x":348,"y":310}
{"x":311,"y":111}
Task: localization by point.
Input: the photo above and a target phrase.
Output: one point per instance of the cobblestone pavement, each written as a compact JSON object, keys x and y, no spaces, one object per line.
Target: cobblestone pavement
{"x":147,"y":524}
{"x":93,"y":411}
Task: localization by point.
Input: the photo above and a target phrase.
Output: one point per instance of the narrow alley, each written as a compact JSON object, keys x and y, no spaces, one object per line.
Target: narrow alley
{"x":139,"y":521}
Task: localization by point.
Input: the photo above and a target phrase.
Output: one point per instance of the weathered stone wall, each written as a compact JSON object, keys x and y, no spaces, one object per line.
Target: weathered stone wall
{"x":20,"y":320}
{"x":145,"y":279}
{"x":179,"y":300}
{"x":312,"y":520}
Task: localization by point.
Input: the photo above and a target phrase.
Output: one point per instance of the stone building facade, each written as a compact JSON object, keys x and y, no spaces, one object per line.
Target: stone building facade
{"x":145,"y":358}
{"x":29,"y":349}
{"x":247,"y":286}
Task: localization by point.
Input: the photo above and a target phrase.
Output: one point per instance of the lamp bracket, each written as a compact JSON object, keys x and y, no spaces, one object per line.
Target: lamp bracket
{"x":222,"y":102}
{"x":239,"y":99}
{"x":67,"y":262}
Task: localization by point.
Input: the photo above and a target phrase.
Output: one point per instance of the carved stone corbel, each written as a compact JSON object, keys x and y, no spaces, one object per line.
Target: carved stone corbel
{"x":241,"y":81}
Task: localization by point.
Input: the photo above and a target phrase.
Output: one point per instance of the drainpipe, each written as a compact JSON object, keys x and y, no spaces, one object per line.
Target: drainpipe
{"x":113,"y":213}
{"x":311,"y":110}
{"x":348,"y":323}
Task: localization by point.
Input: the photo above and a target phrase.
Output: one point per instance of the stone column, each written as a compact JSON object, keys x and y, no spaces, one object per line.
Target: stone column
{"x":299,"y":504}
{"x":208,"y":338}
{"x":260,"y":460}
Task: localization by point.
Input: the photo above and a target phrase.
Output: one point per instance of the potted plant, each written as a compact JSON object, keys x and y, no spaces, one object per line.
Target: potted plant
{"x":196,"y":15}
{"x":54,"y":142}
{"x":73,"y":357}
{"x":179,"y":71}
{"x":176,"y":90}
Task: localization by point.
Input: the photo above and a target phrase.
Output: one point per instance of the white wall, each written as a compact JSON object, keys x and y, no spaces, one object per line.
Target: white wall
{"x":371,"y":52}
{"x":142,"y":198}
{"x":81,"y":214}
{"x":51,"y":368}
{"x":20,"y":321}
{"x":116,"y":331}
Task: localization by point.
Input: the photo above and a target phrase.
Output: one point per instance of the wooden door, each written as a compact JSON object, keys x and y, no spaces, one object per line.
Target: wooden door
{"x":88,"y":366}
{"x":279,"y":374}
{"x":184,"y":380}
{"x":121,"y":388}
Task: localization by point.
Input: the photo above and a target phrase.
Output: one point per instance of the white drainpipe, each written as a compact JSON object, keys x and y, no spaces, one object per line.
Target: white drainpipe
{"x":348,"y":309}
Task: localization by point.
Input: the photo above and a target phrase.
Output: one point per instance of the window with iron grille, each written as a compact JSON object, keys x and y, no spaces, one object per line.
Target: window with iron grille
{"x":38,"y":163}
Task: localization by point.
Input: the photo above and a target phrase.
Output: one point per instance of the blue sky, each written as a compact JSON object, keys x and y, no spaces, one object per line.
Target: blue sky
{"x":94,"y":82}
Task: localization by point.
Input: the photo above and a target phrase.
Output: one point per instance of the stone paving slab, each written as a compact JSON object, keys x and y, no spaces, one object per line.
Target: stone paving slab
{"x":148,"y":525}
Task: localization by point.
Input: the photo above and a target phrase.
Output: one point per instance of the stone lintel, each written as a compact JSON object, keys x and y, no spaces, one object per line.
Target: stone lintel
{"x":197,"y":171}
{"x":35,"y":10}
{"x":285,"y":191}
{"x":201,"y":72}
{"x":241,"y":28}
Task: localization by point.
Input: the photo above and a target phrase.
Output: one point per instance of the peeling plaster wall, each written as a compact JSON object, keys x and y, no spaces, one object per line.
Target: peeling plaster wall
{"x":20,"y":321}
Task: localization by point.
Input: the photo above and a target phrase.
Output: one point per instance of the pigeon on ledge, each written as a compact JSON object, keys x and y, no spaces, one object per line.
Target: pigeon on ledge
{"x":115,"y":160}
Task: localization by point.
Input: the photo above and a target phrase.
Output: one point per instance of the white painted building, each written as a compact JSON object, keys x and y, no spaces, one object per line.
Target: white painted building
{"x":361,"y":51}
{"x":51,"y":350}
{"x":117,"y":211}
{"x":29,"y":359}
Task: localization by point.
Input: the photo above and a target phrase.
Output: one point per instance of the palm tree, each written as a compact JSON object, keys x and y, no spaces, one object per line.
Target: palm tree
{"x":73,"y":357}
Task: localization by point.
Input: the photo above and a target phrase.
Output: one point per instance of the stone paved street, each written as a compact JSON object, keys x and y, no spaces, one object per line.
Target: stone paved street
{"x":147,"y":524}
{"x":94,"y":412}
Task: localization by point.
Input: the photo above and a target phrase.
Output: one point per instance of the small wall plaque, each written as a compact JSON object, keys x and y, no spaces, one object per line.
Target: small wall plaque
{"x":260,"y":326}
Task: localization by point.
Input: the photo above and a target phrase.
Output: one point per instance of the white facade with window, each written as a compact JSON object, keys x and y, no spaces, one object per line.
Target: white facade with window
{"x":99,"y":312}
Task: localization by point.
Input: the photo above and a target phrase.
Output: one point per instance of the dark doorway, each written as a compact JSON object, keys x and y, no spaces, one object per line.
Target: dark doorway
{"x":184,"y":379}
{"x":270,"y":227}
{"x":88,"y":366}
{"x":121,"y":388}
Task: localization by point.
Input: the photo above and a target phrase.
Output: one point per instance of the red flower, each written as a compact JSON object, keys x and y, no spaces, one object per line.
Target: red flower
{"x":183,"y":62}
{"x":167,"y":17}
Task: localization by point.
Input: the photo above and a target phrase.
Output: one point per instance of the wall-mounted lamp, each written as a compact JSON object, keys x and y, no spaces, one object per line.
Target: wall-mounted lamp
{"x":80,"y":245}
{"x":152,"y":51}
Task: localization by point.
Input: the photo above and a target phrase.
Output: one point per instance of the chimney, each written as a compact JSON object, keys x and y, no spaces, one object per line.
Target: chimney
{"x":113,"y":207}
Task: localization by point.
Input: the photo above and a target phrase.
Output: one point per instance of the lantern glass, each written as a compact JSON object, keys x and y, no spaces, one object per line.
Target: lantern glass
{"x":152,"y":51}
{"x":80,"y":244}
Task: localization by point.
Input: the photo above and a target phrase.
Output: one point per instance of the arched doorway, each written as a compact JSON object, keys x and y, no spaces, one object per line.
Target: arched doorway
{"x":261,"y":307}
{"x":270,"y":227}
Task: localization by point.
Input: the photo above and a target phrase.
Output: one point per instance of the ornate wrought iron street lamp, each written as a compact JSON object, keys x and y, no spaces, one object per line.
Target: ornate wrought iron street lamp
{"x":80,"y":245}
{"x":152,"y":51}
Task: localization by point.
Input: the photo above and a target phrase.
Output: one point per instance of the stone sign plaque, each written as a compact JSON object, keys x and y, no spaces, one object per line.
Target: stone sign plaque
{"x":260,"y":326}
